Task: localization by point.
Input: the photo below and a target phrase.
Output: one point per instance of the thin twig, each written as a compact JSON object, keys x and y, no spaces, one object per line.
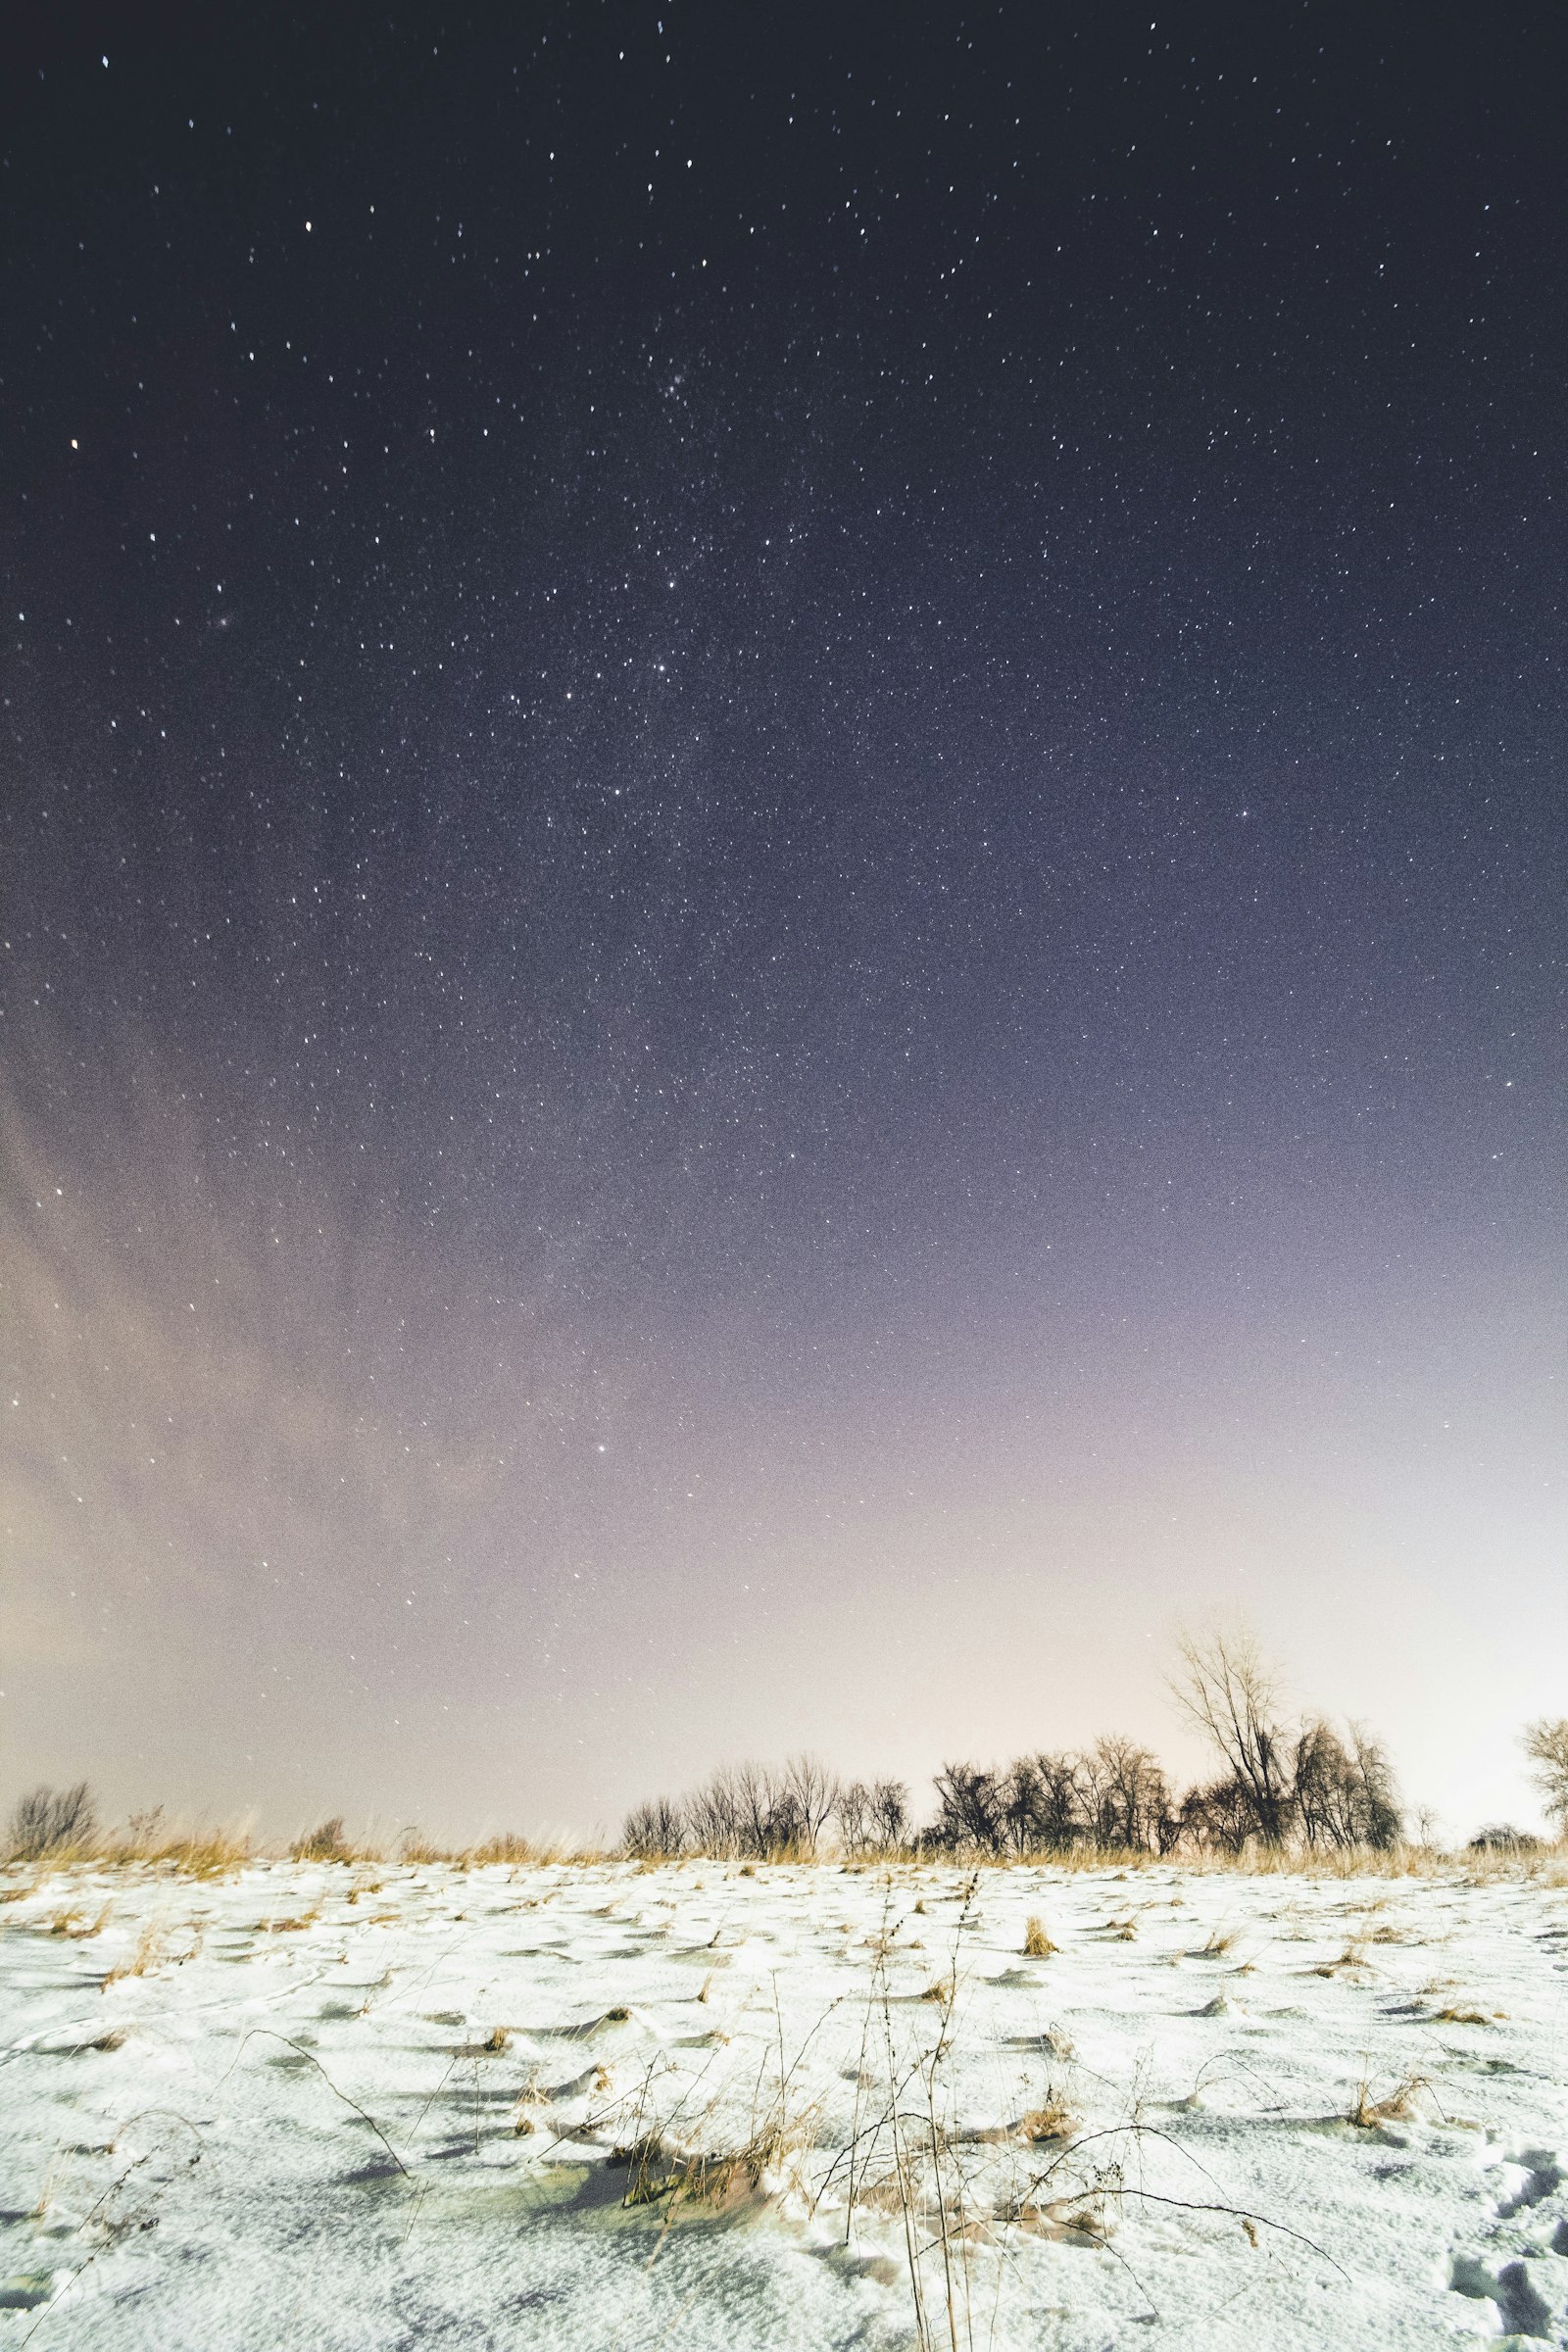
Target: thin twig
{"x":273,"y":2036}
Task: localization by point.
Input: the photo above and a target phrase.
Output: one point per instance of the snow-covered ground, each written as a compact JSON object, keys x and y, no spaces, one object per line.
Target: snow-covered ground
{"x":694,"y":2106}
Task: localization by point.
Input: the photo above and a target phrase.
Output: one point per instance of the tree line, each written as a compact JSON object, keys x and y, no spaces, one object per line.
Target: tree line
{"x":1277,"y":1785}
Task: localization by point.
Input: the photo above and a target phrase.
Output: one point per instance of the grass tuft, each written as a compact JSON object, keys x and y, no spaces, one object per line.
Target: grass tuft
{"x":1398,"y":2105}
{"x":145,"y":1959}
{"x":1055,"y":2120}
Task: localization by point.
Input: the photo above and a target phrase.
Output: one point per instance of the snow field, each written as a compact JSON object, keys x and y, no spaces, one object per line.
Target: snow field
{"x":602,"y":2106}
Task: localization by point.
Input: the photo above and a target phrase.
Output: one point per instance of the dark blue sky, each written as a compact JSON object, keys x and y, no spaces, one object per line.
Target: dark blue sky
{"x":781,"y":720}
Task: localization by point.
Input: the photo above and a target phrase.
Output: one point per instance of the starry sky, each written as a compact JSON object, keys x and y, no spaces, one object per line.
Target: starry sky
{"x":782,"y":840}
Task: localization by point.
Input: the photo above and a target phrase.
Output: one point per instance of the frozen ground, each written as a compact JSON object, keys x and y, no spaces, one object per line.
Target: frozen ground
{"x":322,"y":2106}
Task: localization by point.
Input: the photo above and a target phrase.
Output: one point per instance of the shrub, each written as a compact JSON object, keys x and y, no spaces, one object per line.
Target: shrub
{"x":1501,"y":1838}
{"x":144,"y":1831}
{"x":48,"y":1821}
{"x":324,"y":1843}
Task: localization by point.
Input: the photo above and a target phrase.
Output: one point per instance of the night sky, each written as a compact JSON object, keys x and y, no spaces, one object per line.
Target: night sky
{"x":783,"y":842}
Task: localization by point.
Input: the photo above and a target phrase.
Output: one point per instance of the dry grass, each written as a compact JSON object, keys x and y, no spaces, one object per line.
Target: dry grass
{"x":1037,"y":1944}
{"x":534,"y":1853}
{"x":1053,"y":2122}
{"x":708,"y":2180}
{"x":417,"y":1849}
{"x":78,"y":1929}
{"x":207,"y":1853}
{"x":1290,"y":1862}
{"x":150,"y":1948}
{"x":1353,"y":1957}
{"x":653,"y":2172}
{"x":1252,"y":1861}
{"x":188,"y":1854}
{"x":734,"y":2176}
{"x":1397,"y":2106}
{"x":211,"y":1853}
{"x":503,"y":1846}
{"x":503,"y":1849}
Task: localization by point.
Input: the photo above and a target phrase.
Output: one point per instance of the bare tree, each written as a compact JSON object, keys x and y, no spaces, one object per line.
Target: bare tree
{"x":890,"y":1814}
{"x":713,"y":1815}
{"x":1062,"y":1801}
{"x":751,"y":1809}
{"x":1131,"y":1801}
{"x":1095,"y":1797}
{"x":853,"y":1810}
{"x":1114,"y":1795}
{"x":1545,"y":1743}
{"x":759,"y":1810}
{"x":972,"y":1809}
{"x":1380,"y":1816}
{"x":1020,"y":1794}
{"x":48,"y":1821}
{"x":1343,"y":1796}
{"x":873,"y":1815}
{"x":1216,"y":1817}
{"x":1323,"y":1786}
{"x":809,"y":1791}
{"x":653,"y":1831}
{"x":1230,"y":1694}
